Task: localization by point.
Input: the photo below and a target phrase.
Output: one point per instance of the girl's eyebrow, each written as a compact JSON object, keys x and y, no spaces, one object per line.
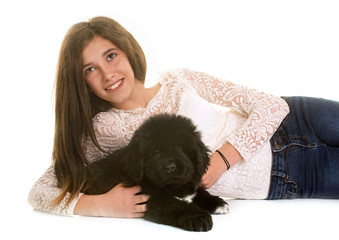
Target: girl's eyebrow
{"x":109,"y":50}
{"x":104,"y":53}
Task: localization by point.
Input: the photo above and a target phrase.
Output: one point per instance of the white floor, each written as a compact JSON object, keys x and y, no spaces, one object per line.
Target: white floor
{"x":283,"y":219}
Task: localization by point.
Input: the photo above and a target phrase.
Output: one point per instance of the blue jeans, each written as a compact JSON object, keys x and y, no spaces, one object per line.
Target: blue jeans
{"x":306,"y":151}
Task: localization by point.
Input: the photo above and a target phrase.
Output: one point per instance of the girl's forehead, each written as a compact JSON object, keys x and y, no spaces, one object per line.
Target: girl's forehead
{"x":97,"y":47}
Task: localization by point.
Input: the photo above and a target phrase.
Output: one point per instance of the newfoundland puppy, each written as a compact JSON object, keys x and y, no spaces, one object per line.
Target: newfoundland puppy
{"x":167,"y":158}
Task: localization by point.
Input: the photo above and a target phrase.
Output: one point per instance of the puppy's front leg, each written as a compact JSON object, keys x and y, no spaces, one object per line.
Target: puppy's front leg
{"x":212,"y":204}
{"x":178,"y":213}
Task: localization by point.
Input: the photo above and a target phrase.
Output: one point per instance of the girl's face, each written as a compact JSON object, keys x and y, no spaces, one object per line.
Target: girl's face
{"x":107,"y":71}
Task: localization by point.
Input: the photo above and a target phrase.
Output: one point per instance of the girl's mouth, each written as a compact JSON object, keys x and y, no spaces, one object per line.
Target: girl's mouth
{"x":115,"y":85}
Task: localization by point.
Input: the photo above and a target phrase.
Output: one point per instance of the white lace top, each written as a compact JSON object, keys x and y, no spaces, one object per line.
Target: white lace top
{"x":247,"y":120}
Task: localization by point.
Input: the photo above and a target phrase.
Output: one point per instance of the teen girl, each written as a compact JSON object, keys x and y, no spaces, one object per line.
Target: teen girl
{"x":277,"y":148}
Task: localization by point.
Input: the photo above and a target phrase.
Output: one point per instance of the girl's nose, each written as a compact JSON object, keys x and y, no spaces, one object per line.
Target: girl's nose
{"x":108,"y":73}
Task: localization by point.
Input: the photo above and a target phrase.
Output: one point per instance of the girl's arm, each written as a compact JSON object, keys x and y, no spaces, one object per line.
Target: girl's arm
{"x":45,"y":190}
{"x":217,"y":165}
{"x":119,"y":202}
{"x":264,"y":113}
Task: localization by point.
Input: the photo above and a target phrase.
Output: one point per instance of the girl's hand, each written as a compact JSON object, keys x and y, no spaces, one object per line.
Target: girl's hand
{"x":123,"y":202}
{"x":118,"y":202}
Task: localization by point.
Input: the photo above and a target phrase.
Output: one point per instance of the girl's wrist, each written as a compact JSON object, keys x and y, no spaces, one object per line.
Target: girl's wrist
{"x":88,"y":205}
{"x":224,"y":159}
{"x":229,"y":155}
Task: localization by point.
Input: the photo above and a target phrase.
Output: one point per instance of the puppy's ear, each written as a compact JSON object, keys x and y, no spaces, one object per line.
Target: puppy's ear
{"x":202,"y":156}
{"x":132,"y":163}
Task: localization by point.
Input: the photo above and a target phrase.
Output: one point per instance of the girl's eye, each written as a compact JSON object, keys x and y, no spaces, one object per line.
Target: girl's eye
{"x":89,"y":70}
{"x":111,"y":56}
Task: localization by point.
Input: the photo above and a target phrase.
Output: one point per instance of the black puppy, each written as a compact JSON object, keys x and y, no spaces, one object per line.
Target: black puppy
{"x":167,"y":158}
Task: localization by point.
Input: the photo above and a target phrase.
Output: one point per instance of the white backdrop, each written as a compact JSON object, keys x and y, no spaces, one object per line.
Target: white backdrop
{"x":283,"y":47}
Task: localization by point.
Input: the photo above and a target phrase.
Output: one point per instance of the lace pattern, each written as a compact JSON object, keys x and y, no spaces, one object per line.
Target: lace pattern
{"x":45,"y":190}
{"x":264,"y":112}
{"x":259,"y":116}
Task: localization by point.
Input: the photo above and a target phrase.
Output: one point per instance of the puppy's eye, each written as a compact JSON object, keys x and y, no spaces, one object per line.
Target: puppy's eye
{"x":178,"y":148}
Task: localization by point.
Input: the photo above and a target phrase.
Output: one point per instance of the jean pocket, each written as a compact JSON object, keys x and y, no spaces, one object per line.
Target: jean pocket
{"x":281,"y":143}
{"x":291,"y":189}
{"x":282,"y":186}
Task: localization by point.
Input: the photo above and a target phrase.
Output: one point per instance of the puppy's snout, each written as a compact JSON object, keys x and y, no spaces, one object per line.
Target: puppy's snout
{"x":170,"y":167}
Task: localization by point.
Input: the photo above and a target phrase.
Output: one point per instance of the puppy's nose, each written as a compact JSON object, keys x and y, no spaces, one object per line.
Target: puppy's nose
{"x":170,"y":167}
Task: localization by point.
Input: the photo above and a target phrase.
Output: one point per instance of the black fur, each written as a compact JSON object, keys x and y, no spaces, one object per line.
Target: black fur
{"x":167,"y":158}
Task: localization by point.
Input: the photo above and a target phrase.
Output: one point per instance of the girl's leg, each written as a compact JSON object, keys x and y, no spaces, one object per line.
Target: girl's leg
{"x":317,"y":118}
{"x":306,"y":151}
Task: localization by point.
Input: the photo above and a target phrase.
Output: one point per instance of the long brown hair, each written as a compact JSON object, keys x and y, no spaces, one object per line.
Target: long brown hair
{"x":75,"y":105}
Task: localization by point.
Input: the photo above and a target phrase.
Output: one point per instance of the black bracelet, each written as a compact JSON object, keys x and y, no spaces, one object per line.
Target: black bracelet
{"x":224,"y":158}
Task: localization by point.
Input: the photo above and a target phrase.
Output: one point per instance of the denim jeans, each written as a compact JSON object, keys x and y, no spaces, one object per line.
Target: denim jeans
{"x":306,"y":151}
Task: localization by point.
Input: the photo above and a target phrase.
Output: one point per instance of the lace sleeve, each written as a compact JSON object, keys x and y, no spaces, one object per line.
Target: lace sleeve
{"x":45,"y":190}
{"x":109,"y":133}
{"x":264,"y":112}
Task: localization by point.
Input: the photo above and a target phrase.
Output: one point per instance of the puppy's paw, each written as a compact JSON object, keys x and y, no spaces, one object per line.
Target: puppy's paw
{"x":199,"y":222}
{"x":223,"y":209}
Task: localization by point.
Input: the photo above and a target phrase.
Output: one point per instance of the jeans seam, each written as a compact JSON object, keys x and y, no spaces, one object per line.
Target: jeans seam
{"x":287,"y":147}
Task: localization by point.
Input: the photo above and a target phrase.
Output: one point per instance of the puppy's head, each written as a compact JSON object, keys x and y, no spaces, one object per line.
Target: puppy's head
{"x":167,"y":151}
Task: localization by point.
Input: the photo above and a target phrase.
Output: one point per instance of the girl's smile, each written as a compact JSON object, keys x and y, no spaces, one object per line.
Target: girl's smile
{"x":115,"y":86}
{"x":109,"y":75}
